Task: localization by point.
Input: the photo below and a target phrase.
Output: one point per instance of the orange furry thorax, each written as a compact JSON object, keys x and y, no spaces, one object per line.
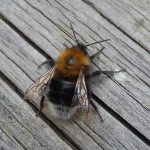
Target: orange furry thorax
{"x":70,"y":62}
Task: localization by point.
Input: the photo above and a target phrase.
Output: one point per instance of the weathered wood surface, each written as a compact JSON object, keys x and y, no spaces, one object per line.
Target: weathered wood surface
{"x":47,"y":25}
{"x":129,"y":16}
{"x":19,"y":127}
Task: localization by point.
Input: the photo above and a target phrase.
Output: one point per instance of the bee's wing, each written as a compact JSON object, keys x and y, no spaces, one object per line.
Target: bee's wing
{"x":35,"y":90}
{"x":81,"y":93}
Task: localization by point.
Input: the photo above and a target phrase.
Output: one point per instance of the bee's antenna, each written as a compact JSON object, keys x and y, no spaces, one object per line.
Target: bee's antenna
{"x":96,"y":42}
{"x":74,"y":33}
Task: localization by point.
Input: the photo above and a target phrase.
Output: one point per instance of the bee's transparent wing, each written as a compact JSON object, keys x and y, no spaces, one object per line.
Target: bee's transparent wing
{"x":81,"y":93}
{"x":35,"y":90}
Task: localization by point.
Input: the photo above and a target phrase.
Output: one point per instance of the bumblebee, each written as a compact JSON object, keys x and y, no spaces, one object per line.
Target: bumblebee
{"x":64,"y":85}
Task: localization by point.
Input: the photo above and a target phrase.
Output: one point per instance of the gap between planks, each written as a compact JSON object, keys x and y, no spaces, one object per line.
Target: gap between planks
{"x":106,"y":107}
{"x":102,"y":104}
{"x":93,"y":5}
{"x":58,"y":131}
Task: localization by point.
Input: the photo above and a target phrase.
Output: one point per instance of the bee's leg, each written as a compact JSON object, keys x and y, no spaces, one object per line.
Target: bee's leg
{"x":94,"y":55}
{"x":50,"y":61}
{"x":95,"y":73}
{"x":96,"y":110}
{"x":109,"y":73}
{"x":93,"y":105}
{"x":41,"y":105}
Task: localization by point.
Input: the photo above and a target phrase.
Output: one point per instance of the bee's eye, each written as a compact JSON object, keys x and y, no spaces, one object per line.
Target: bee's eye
{"x":83,"y":49}
{"x":84,"y":52}
{"x":70,"y":60}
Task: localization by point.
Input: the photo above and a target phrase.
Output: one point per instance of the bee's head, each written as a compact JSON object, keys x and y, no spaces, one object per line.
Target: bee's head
{"x":71,"y":60}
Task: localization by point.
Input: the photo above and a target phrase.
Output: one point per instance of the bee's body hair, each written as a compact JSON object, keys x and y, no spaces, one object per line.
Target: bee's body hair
{"x":64,"y":87}
{"x":61,"y":112}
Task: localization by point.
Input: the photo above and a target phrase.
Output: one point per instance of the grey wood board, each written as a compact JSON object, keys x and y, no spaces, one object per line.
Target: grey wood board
{"x":46,"y":24}
{"x":7,"y":142}
{"x":132,"y":17}
{"x":19,"y":59}
{"x":19,"y":124}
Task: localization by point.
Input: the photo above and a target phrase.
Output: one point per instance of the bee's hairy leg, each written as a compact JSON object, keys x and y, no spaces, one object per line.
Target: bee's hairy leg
{"x":94,"y":55}
{"x":50,"y":61}
{"x":93,"y":105}
{"x":95,"y":73}
{"x":96,"y":110}
{"x":109,"y":73}
{"x":41,"y":105}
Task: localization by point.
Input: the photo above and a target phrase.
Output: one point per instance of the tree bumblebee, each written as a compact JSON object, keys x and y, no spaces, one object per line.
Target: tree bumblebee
{"x":64,"y":85}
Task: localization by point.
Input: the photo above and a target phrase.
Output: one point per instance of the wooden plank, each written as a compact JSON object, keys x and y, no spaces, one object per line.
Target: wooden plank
{"x":7,"y":142}
{"x":46,"y":24}
{"x":13,"y":76}
{"x":29,"y":132}
{"x":131,"y":17}
{"x":19,"y":126}
{"x":88,"y":134}
{"x":141,"y":7}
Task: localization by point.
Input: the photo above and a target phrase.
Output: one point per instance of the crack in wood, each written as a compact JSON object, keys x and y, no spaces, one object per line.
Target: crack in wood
{"x":120,"y":119}
{"x":28,"y":40}
{"x":111,"y":22}
{"x":36,"y":47}
{"x":58,"y":131}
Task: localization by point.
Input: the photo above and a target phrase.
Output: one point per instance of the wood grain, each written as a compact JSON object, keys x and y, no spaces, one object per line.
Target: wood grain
{"x":7,"y":141}
{"x":19,"y":64}
{"x":131,"y":17}
{"x":19,"y":127}
{"x":35,"y":29}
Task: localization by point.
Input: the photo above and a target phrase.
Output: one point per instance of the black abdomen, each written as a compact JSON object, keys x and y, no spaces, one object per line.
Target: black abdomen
{"x":61,"y":92}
